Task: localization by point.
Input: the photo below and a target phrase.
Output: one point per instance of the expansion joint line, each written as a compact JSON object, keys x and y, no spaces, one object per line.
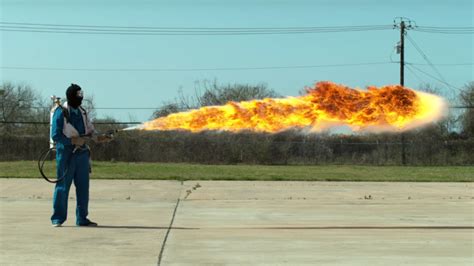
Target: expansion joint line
{"x":160,"y":256}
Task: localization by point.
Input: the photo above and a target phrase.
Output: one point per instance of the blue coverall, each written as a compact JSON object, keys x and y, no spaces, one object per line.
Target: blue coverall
{"x":75,"y":166}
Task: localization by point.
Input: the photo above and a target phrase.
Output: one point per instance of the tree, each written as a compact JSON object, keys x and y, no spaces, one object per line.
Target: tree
{"x":89,"y":105}
{"x":167,"y":109}
{"x":450,"y":123}
{"x":466,"y":98}
{"x":20,"y":103}
{"x":102,"y":125}
{"x":215,"y":94}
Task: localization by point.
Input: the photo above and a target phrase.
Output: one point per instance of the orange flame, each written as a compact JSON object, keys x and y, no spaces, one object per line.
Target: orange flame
{"x":327,"y":104}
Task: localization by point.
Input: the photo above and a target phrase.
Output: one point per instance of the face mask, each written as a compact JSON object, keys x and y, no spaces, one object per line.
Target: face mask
{"x":74,"y":96}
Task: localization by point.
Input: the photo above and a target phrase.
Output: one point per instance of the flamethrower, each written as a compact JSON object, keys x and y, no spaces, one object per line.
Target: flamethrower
{"x":98,"y":138}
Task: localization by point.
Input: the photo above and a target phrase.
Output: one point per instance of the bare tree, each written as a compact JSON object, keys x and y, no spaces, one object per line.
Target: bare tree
{"x":106,"y":123}
{"x":467,"y":118}
{"x":217,"y":94}
{"x":20,"y":103}
{"x":89,"y":105}
{"x":166,"y":110}
{"x":450,"y":123}
{"x":207,"y":93}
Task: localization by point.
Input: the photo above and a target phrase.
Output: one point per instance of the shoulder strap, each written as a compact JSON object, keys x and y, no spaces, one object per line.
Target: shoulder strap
{"x":84,"y":112}
{"x":65,"y":113}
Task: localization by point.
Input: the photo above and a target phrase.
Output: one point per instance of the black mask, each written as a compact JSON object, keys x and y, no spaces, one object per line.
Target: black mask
{"x":73,"y":99}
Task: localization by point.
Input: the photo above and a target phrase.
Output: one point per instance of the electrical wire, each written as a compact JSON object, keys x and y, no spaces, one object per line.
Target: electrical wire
{"x":431,"y":76}
{"x":188,"y":69}
{"x":218,"y":69}
{"x":425,"y":57}
{"x":176,"y":34}
{"x":149,"y":30}
{"x":186,"y":28}
{"x":136,"y":30}
{"x":414,"y":74}
{"x":444,"y":30}
{"x":448,"y":28}
{"x":445,"y":64}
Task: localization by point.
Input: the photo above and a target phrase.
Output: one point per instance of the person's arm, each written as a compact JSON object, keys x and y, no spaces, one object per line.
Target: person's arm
{"x":57,"y":128}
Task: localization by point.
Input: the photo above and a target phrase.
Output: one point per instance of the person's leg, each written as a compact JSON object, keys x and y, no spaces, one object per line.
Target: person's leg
{"x":81,"y":181}
{"x":65,"y":167}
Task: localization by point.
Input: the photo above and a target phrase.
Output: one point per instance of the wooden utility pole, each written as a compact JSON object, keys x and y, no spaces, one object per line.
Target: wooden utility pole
{"x":405,"y":24}
{"x":402,"y":79}
{"x":402,"y":53}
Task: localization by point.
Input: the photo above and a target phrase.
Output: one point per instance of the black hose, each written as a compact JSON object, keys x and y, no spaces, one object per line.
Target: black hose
{"x":42,"y":159}
{"x":44,"y":155}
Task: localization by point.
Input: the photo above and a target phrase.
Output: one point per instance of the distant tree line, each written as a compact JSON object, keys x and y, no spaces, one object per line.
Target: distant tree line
{"x":448,"y":142}
{"x":209,"y":93}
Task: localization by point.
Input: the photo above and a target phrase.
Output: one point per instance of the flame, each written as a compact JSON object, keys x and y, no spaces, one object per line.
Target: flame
{"x":394,"y":108}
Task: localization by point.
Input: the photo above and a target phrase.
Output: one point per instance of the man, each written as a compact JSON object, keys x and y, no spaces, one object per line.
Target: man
{"x":69,"y":123}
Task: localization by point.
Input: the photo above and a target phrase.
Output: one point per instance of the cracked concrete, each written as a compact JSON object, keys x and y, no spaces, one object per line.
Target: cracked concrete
{"x":243,"y":223}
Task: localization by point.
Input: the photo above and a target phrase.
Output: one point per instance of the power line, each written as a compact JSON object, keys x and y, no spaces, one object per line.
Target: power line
{"x":445,"y":30}
{"x":128,"y":30}
{"x":414,"y":74}
{"x":412,"y":24}
{"x":178,"y":34}
{"x":445,"y":64}
{"x":425,"y":57}
{"x":190,"y":28}
{"x":218,"y":69}
{"x":188,"y":69}
{"x":431,"y":76}
{"x":442,"y":32}
{"x":447,"y":27}
{"x":151,"y":30}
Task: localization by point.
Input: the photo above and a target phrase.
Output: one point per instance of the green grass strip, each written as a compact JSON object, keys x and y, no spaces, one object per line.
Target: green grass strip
{"x":181,"y":171}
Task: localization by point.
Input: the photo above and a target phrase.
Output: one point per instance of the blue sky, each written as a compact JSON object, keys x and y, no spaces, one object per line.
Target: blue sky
{"x":152,"y":88}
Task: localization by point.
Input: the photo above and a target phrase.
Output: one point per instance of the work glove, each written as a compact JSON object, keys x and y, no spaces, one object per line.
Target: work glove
{"x":78,"y":141}
{"x":104,"y":138}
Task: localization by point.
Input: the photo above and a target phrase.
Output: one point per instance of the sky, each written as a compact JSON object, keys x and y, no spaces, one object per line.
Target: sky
{"x":153,"y":88}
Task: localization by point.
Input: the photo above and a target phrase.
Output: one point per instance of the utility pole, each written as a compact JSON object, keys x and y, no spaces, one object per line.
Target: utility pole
{"x":402,"y":80}
{"x":402,"y":53}
{"x":401,"y":50}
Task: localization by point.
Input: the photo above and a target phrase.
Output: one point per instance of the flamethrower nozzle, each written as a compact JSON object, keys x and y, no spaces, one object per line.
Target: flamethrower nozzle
{"x":112,"y":132}
{"x":132,"y":128}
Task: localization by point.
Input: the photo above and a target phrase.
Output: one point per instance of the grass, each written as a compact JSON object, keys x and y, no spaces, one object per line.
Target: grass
{"x":181,"y":171}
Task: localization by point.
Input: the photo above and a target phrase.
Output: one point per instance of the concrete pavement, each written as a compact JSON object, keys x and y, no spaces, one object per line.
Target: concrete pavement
{"x":242,"y":223}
